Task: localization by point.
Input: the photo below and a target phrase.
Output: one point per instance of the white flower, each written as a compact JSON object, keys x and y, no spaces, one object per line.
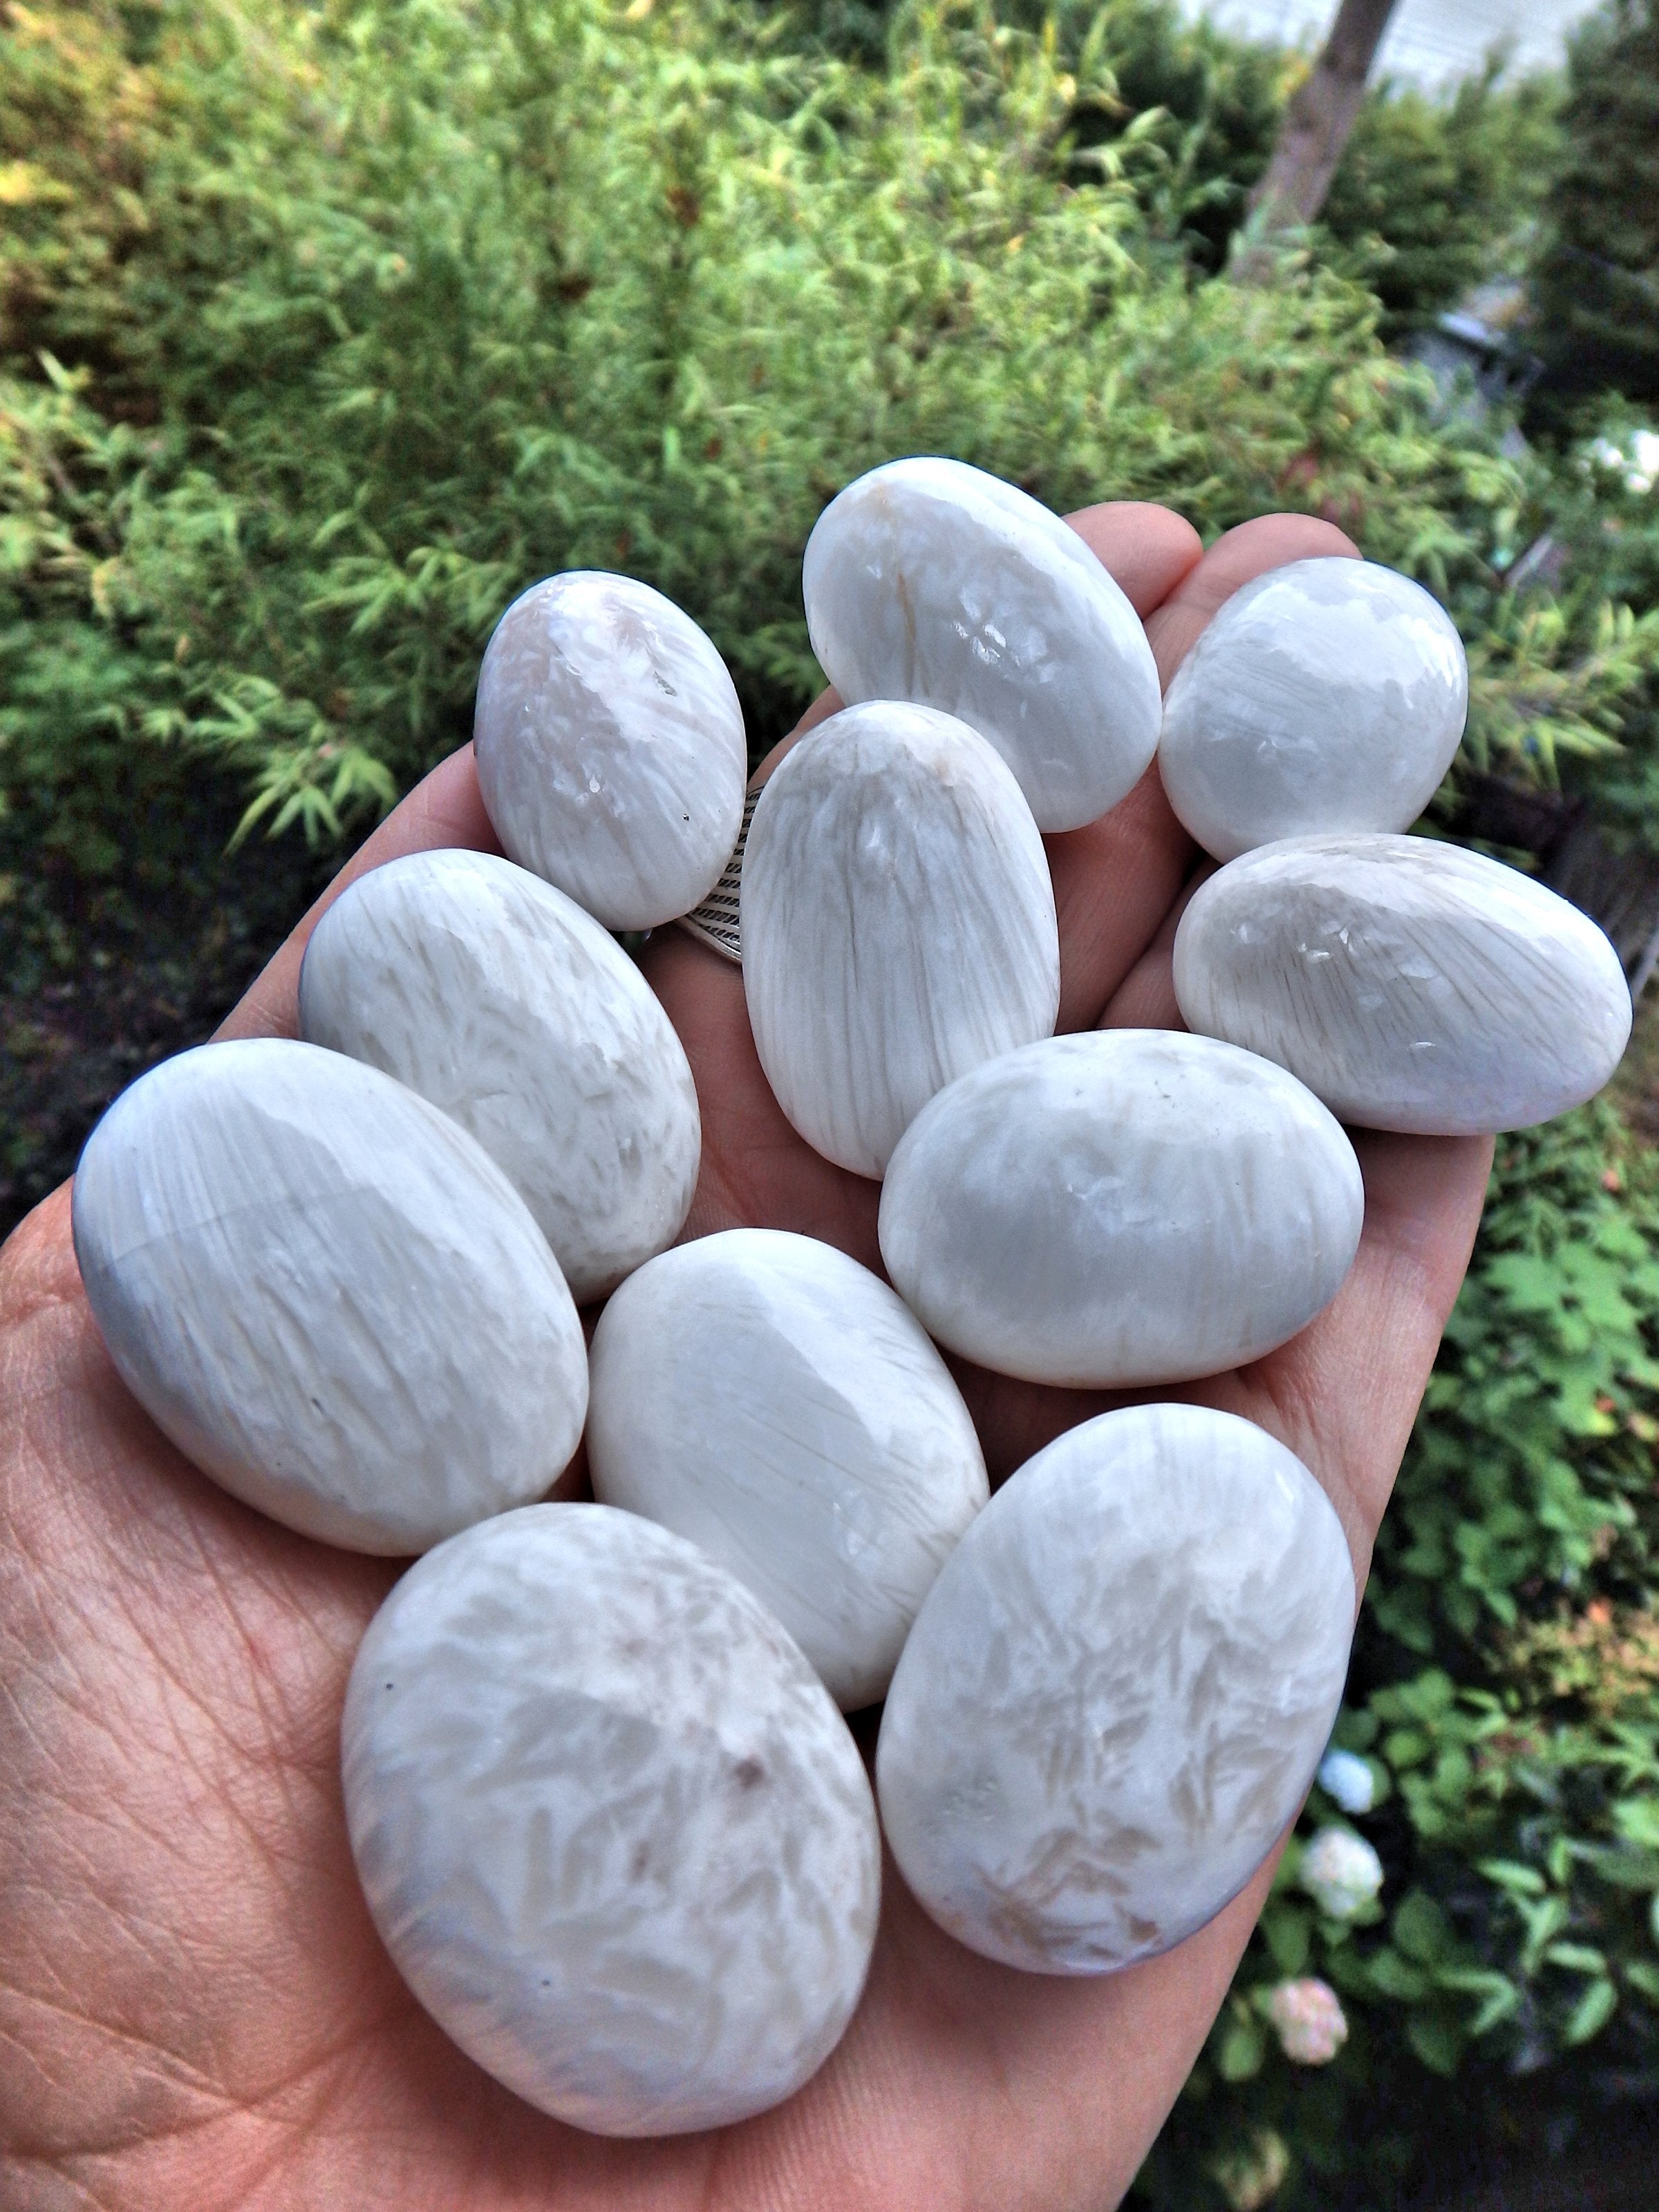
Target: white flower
{"x":1310,"y":2020}
{"x":1341,"y":1872}
{"x":1348,"y":1781}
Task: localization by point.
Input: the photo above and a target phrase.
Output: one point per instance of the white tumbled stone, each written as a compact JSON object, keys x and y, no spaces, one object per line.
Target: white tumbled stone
{"x":766,"y":1396}
{"x":609,"y":1824}
{"x":1124,"y":1206}
{"x":327,"y":1295}
{"x":1325,"y":695}
{"x":898,"y":924}
{"x":497,"y":998}
{"x":1410,"y":984}
{"x":1116,"y":1692}
{"x":932,"y":582}
{"x":610,"y":747}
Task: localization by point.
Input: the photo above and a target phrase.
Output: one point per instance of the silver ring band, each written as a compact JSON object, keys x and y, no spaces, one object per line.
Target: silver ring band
{"x":717,"y":922}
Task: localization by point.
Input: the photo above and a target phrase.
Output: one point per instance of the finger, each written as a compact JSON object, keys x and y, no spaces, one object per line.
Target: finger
{"x":445,"y":809}
{"x":1116,"y":879}
{"x":1270,"y":541}
{"x":1345,"y":1393}
{"x":1145,"y":999}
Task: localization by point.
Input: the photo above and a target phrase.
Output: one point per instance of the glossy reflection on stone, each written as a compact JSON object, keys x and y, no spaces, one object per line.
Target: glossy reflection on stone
{"x":1325,"y":695}
{"x":610,"y":747}
{"x":328,"y":1295}
{"x":1125,"y":1207}
{"x":1410,"y":984}
{"x":766,"y":1396}
{"x":1116,"y":1692}
{"x":610,"y":1825}
{"x":495,"y":996}
{"x":898,"y":924}
{"x":931,"y":582}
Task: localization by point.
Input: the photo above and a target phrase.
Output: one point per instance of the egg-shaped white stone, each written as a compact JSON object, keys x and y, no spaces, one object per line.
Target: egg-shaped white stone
{"x":497,"y":998}
{"x":1116,"y":1692}
{"x":328,"y":1295}
{"x":1411,"y":985}
{"x":1124,"y":1206}
{"x":610,"y":747}
{"x":898,"y":924}
{"x":610,"y":1825}
{"x":766,"y":1396}
{"x":931,"y":582}
{"x":1329,"y":694}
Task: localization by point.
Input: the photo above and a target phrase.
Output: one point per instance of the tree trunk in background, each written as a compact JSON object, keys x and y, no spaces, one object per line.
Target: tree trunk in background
{"x":1312,"y":134}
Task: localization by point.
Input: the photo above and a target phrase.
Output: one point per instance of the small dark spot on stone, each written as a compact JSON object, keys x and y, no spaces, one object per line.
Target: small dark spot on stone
{"x":748,"y":1774}
{"x":640,"y":1862}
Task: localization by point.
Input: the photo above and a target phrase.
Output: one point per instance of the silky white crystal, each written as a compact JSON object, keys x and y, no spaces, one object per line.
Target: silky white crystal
{"x":495,"y":996}
{"x":1411,"y":985}
{"x":766,"y":1396}
{"x":1115,"y":1695}
{"x":898,"y":924}
{"x":1329,"y":694}
{"x":609,"y":1824}
{"x":610,"y":747}
{"x":1123,"y":1207}
{"x":931,"y":582}
{"x":328,"y":1295}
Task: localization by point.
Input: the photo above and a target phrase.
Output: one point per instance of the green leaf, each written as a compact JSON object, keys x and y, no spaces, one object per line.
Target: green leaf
{"x":1592,"y":2012}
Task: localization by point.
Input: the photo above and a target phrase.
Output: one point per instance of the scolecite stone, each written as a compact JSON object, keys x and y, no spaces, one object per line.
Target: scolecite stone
{"x":610,"y":747}
{"x":1116,"y":1694}
{"x":610,"y":1825}
{"x":328,"y":1295}
{"x":766,"y":1396}
{"x":1325,"y":695}
{"x":1123,"y":1207}
{"x":495,"y":996}
{"x":932,"y":582}
{"x":898,"y":924}
{"x":1410,"y":985}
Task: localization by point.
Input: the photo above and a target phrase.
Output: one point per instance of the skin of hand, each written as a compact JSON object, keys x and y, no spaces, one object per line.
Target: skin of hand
{"x":195,"y":2011}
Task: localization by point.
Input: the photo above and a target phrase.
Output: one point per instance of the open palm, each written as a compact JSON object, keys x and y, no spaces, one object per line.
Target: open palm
{"x":195,"y":2011}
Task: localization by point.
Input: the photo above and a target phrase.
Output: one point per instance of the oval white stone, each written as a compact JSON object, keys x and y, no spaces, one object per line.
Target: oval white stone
{"x":1411,"y":985}
{"x":764,"y":1396}
{"x":495,"y":996}
{"x":328,"y":1295}
{"x":931,"y":582}
{"x":609,"y":1826}
{"x":610,"y":747}
{"x":1329,"y":694}
{"x":1117,"y":1691}
{"x":1125,"y":1207}
{"x":898,"y":924}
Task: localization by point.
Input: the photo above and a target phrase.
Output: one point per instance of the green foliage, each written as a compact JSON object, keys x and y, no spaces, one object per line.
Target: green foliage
{"x":1597,"y":283}
{"x":324,"y":329}
{"x":1505,"y":1695}
{"x":1435,"y":194}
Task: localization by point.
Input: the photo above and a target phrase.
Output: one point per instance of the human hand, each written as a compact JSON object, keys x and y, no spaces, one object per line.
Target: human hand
{"x":195,"y":2010}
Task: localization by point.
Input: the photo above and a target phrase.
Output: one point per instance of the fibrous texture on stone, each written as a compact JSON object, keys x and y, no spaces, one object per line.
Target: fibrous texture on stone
{"x":610,"y":1825}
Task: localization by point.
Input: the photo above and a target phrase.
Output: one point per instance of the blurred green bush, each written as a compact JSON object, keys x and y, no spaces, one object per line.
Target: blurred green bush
{"x":326,"y":328}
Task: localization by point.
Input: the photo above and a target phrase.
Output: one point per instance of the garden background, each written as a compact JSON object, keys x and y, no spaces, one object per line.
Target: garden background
{"x":326,"y":325}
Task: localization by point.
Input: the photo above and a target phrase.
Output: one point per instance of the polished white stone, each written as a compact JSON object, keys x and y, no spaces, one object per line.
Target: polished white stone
{"x":1116,"y":1692}
{"x":609,"y":1826}
{"x":898,"y":924}
{"x":770,"y":1399}
{"x":495,"y":996}
{"x":327,"y":1295}
{"x":610,"y":747}
{"x":1410,"y":984}
{"x":1124,"y":1206}
{"x":929,"y":581}
{"x":1325,"y":695}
